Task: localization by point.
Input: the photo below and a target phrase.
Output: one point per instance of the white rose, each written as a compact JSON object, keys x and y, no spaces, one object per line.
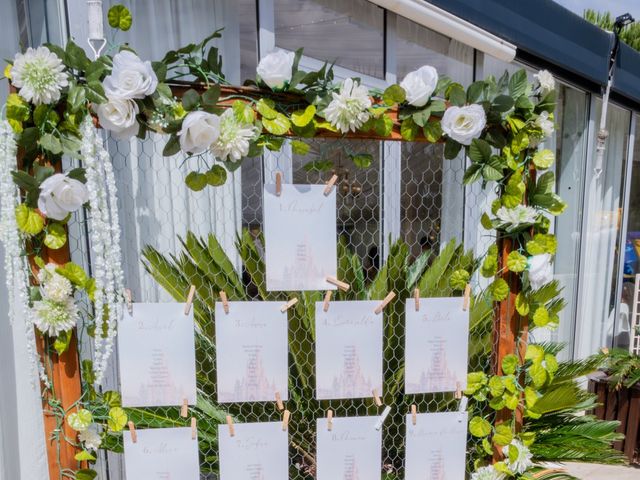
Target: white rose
{"x":463,"y":124}
{"x":419,"y":85}
{"x":130,"y":77}
{"x":118,"y":115}
{"x":199,"y":131}
{"x":544,"y":124}
{"x":276,"y":69}
{"x":546,"y":81}
{"x":540,"y":270}
{"x":60,"y":195}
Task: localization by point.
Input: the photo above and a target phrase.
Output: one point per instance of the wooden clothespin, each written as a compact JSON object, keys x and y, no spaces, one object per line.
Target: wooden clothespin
{"x":279,"y":403}
{"x":376,"y":397}
{"x":225,"y":301}
{"x":194,"y":429}
{"x":467,"y":297}
{"x":341,"y":285}
{"x":129,"y":298}
{"x":232,"y":430}
{"x":416,"y":298}
{"x":383,"y":417}
{"x":285,"y":420}
{"x":187,"y":306}
{"x":414,"y":414}
{"x":390,"y":296}
{"x":329,"y":420}
{"x":184,"y":410}
{"x":458,"y":394}
{"x":132,"y":431}
{"x":278,"y":184}
{"x":327,"y":299}
{"x":289,"y":304}
{"x":463,"y":404}
{"x":332,"y":181}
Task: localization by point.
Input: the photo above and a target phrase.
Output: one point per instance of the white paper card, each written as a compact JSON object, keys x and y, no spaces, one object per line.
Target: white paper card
{"x":300,"y":237}
{"x":436,"y":345}
{"x":257,"y":451}
{"x":348,"y":350}
{"x":350,"y":451}
{"x":157,"y":356}
{"x":436,"y":446}
{"x":161,"y":454}
{"x":251,"y":352}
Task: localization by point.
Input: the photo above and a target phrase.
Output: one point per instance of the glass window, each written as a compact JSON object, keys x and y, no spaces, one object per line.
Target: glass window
{"x":603,"y":202}
{"x":349,"y":33}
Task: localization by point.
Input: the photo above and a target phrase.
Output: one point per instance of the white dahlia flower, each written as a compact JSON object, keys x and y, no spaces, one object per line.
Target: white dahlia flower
{"x":54,"y":317}
{"x":91,"y":438}
{"x":39,"y":75}
{"x":54,"y":286}
{"x":521,"y":457}
{"x":234,"y":138}
{"x":487,"y":473}
{"x":348,"y":109}
{"x":545,"y":80}
{"x":518,"y":215}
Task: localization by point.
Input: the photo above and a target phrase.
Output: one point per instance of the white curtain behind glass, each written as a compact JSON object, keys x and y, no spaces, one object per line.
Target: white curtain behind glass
{"x":155,"y":205}
{"x":596,"y":308}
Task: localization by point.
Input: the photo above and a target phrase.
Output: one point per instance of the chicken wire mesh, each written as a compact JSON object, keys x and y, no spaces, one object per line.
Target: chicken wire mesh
{"x":399,"y":205}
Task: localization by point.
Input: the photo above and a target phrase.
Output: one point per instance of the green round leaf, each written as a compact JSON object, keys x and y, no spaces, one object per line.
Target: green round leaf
{"x":522,"y":304}
{"x":479,"y":427}
{"x":117,"y":419}
{"x":216,"y":176}
{"x":511,"y":401}
{"x":74,"y":273}
{"x":543,"y":158}
{"x":551,"y":363}
{"x":80,"y":420}
{"x":301,"y":118}
{"x":503,"y":435}
{"x":541,"y":317}
{"x":28,"y":220}
{"x":516,"y":262}
{"x":432,"y":131}
{"x":362,"y":160}
{"x":243,"y":112}
{"x":534,"y":353}
{"x":84,"y":456}
{"x":496,"y":386}
{"x":55,"y":237}
{"x":196,"y":181}
{"x":279,"y":125}
{"x":299,"y":148}
{"x":509,"y":364}
{"x":120,"y":17}
{"x":266,"y":108}
{"x":499,"y":289}
{"x":530,"y":396}
{"x":459,"y":279}
{"x":409,"y":129}
{"x":394,"y":94}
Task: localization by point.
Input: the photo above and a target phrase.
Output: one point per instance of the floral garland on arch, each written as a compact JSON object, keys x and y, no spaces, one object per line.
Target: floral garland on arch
{"x":498,"y":123}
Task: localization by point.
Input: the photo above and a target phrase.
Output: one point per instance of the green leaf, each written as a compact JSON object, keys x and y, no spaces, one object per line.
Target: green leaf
{"x":266,"y":108}
{"x":538,"y":375}
{"x":62,"y":341}
{"x":503,"y":435}
{"x":541,"y":317}
{"x":117,"y":419}
{"x":76,"y":57}
{"x":28,"y":220}
{"x":502,"y":103}
{"x":456,"y":95}
{"x":299,"y":148}
{"x":211,"y":95}
{"x":474,"y":91}
{"x":432,"y":131}
{"x":216,"y":176}
{"x":243,"y":112}
{"x":534,"y":353}
{"x":172,"y":146}
{"x":94,"y":91}
{"x":50,"y":143}
{"x":55,"y":237}
{"x":472,"y":173}
{"x":475,"y":381}
{"x":84,"y":456}
{"x":514,"y":190}
{"x":519,"y":142}
{"x":190,"y":99}
{"x":542,"y":243}
{"x":496,"y":386}
{"x":530,"y":397}
{"x":543,"y":159}
{"x":522,"y":304}
{"x":45,"y":117}
{"x":422,"y":117}
{"x":301,"y":118}
{"x":112,"y":398}
{"x":74,"y":273}
{"x":509,"y":364}
{"x":511,"y":401}
{"x":362,"y":160}
{"x":120,"y":17}
{"x":86,"y":474}
{"x":451,"y":149}
{"x":17,"y":108}
{"x":76,"y":98}
{"x":409,"y":129}
{"x":279,"y":125}
{"x":80,"y":420}
{"x":518,"y":83}
{"x":383,"y":126}
{"x":25,"y":181}
{"x":499,"y":289}
{"x":485,"y":221}
{"x":196,"y":181}
{"x":394,"y":94}
{"x":479,"y":427}
{"x":459,"y":279}
{"x":516,"y":262}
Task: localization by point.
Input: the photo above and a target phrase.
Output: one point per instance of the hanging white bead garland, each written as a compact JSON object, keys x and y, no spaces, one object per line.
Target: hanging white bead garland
{"x":105,"y":245}
{"x":15,"y":262}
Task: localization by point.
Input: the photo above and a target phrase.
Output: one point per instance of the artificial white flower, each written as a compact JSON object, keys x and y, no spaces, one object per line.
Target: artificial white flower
{"x":80,"y":420}
{"x":545,"y":80}
{"x":54,"y":286}
{"x":520,"y":214}
{"x":61,"y":195}
{"x":545,"y":124}
{"x":522,"y":462}
{"x":348,"y":109}
{"x":463,"y":124}
{"x":199,"y":131}
{"x":487,"y":473}
{"x":91,"y":438}
{"x":276,"y":69}
{"x":419,"y":85}
{"x":540,"y":270}
{"x":39,"y":74}
{"x":118,"y":116}
{"x":130,"y":77}
{"x":54,"y":317}
{"x":233,"y":142}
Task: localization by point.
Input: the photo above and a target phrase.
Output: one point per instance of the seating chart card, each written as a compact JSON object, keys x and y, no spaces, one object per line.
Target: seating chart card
{"x":436,"y":446}
{"x":436,"y":345}
{"x":348,"y":350}
{"x":350,"y":451}
{"x":300,"y":237}
{"x":161,"y":454}
{"x":257,"y":451}
{"x":157,"y":355}
{"x":251,"y":352}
